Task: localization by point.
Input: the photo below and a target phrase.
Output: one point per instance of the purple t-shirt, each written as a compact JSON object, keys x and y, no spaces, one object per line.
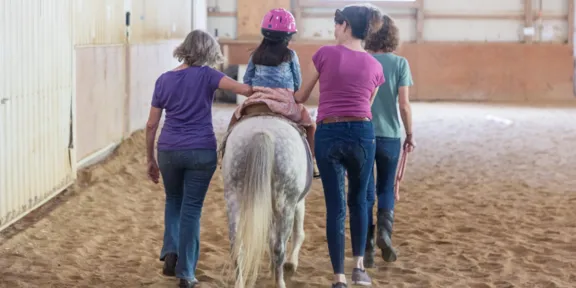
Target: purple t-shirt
{"x":348,"y":79}
{"x":186,"y":96}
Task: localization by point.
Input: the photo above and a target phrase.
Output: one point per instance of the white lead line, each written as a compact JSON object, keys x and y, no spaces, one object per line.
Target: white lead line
{"x":313,"y":113}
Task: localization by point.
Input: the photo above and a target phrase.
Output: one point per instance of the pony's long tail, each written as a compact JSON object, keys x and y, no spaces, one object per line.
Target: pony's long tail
{"x":251,"y":241}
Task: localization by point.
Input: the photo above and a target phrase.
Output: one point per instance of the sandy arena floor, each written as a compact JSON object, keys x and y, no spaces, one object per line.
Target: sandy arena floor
{"x":488,"y":200}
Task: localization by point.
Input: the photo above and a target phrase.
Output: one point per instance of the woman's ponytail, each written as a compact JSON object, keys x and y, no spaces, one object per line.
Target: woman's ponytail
{"x":362,"y":19}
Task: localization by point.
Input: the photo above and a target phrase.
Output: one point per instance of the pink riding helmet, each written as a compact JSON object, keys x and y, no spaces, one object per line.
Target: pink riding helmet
{"x":280,"y":20}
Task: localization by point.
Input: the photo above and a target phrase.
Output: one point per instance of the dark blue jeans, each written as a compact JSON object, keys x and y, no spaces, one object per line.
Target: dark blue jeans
{"x":186,"y":176}
{"x":387,"y":156}
{"x":345,"y":146}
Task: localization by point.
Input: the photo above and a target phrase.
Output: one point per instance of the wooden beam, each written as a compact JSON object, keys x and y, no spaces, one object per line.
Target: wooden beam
{"x":331,"y":15}
{"x":420,"y":21}
{"x":528,"y":19}
{"x":339,"y":4}
{"x":222,"y":14}
{"x":298,"y":17}
{"x":570,"y":22}
{"x":299,"y":14}
{"x":428,"y":15}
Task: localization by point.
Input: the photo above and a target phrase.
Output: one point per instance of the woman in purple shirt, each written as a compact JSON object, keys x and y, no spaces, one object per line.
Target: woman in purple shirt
{"x":187,"y":155}
{"x":349,"y":78}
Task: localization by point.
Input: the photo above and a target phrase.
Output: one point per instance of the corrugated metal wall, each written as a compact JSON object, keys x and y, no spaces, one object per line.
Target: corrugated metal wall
{"x":36,"y":45}
{"x":99,"y":22}
{"x":154,"y":20}
{"x":38,"y":48}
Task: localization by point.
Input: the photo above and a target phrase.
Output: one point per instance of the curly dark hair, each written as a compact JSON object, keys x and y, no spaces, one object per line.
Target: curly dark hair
{"x":386,"y":39}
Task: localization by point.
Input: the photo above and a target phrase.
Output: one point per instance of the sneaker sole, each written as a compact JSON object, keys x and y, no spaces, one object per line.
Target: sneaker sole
{"x":388,"y":253}
{"x":361,"y":283}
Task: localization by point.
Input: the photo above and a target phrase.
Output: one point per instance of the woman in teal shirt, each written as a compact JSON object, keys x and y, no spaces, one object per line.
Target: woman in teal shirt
{"x":391,"y":97}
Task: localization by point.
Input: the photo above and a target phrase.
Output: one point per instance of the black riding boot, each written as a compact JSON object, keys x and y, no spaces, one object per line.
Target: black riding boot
{"x":384,"y":238}
{"x":170,"y":264}
{"x":370,"y":249}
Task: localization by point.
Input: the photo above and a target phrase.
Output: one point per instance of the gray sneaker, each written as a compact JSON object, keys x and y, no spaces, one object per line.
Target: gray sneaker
{"x":359,"y":277}
{"x":339,"y":285}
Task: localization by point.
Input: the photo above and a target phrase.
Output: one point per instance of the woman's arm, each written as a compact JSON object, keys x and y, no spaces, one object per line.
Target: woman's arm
{"x":230,"y":84}
{"x":405,"y":108}
{"x":404,"y":96}
{"x":151,"y":129}
{"x":374,"y":96}
{"x":304,"y":93}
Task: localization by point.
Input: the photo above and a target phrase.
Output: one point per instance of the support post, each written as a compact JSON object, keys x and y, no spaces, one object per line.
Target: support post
{"x":571,"y":22}
{"x":528,"y":22}
{"x":420,"y":21}
{"x":297,"y":10}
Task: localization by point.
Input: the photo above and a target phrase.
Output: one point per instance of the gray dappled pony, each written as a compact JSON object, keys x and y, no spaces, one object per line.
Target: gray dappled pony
{"x":265,"y":183}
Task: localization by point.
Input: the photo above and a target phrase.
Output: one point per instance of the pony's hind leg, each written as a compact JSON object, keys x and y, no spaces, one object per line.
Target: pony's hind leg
{"x":282,"y":231}
{"x":298,"y":236}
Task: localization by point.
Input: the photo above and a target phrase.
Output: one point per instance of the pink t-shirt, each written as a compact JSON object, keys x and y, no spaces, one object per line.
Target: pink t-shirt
{"x":348,"y":79}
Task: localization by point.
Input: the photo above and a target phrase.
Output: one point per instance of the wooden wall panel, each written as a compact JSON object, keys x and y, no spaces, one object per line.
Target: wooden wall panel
{"x":509,"y":72}
{"x":250,"y":13}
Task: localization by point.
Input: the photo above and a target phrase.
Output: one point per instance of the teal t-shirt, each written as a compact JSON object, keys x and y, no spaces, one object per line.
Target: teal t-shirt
{"x":385,"y":108}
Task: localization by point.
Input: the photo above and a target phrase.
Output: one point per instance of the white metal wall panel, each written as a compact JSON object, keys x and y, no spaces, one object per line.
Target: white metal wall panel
{"x":36,"y":93}
{"x":99,"y":22}
{"x":154,"y":20}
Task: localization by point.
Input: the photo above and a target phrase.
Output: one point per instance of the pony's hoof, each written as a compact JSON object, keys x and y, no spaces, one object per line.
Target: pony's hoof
{"x":290,"y":268}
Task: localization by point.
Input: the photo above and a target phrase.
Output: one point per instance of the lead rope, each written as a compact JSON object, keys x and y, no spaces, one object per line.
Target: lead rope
{"x":400,"y":174}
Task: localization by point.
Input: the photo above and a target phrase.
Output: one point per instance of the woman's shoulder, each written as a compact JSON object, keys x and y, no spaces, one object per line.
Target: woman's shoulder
{"x":326,"y":51}
{"x":373,"y":60}
{"x":192,"y":72}
{"x":401,"y":60}
{"x":328,"y":48}
{"x":391,"y":59}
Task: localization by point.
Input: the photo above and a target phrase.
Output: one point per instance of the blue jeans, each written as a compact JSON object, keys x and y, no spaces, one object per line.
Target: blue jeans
{"x":387,"y":156}
{"x":186,"y":175}
{"x":345,"y":146}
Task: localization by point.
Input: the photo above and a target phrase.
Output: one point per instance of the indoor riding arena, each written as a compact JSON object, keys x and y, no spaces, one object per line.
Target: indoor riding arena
{"x":487,"y":201}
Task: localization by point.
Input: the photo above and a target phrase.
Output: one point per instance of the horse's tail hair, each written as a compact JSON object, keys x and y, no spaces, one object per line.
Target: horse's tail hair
{"x":252,"y":238}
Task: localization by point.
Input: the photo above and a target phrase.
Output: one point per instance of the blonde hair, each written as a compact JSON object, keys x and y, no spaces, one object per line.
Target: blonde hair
{"x":199,"y":49}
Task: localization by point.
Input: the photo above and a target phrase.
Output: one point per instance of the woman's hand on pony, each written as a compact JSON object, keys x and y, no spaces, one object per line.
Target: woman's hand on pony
{"x":227,"y":83}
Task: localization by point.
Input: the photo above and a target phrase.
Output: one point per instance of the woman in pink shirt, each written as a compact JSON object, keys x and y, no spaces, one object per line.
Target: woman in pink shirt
{"x":349,"y":78}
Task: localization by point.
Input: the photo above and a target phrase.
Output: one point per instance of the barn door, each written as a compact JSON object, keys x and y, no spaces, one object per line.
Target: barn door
{"x":36,"y":102}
